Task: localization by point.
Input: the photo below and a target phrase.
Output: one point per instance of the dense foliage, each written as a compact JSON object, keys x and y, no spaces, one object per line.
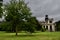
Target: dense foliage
{"x":0,"y":10}
{"x":57,"y":26}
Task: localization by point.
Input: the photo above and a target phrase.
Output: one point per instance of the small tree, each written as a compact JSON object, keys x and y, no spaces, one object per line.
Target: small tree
{"x":17,"y":12}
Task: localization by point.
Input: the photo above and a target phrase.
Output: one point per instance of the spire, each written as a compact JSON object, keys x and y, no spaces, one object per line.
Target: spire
{"x":46,"y":18}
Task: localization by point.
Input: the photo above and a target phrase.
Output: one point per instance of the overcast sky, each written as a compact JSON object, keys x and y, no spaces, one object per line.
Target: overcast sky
{"x":42,"y":7}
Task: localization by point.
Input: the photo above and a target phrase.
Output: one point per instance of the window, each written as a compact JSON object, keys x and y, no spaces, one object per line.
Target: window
{"x":50,"y":28}
{"x":50,"y":21}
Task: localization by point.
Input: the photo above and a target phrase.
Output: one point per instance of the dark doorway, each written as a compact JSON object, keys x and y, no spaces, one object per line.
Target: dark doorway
{"x":47,"y":27}
{"x":50,"y":28}
{"x":44,"y":26}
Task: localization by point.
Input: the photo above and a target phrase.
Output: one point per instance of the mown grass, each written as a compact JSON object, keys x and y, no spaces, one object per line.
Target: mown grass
{"x":34,"y":36}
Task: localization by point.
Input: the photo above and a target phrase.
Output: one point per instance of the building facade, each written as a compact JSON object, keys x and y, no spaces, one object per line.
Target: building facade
{"x":48,"y":24}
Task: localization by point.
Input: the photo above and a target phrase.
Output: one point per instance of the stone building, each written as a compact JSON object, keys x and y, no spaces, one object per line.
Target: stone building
{"x":48,"y":24}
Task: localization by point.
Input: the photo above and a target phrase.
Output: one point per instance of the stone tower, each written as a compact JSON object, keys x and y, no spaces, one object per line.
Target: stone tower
{"x":46,"y":18}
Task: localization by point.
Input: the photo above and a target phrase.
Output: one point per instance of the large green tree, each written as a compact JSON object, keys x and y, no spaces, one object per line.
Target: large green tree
{"x":17,"y":12}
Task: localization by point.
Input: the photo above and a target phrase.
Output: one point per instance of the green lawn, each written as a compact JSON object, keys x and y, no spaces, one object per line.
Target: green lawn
{"x":34,"y":36}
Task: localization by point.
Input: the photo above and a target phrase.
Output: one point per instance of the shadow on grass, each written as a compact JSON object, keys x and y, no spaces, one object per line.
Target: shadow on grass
{"x":13,"y":36}
{"x":25,"y":35}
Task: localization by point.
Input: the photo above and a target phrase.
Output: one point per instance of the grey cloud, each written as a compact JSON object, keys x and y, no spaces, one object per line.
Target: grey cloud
{"x":42,"y":7}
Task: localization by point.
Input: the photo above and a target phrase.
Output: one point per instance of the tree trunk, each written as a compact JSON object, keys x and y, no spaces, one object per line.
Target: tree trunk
{"x":16,"y":31}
